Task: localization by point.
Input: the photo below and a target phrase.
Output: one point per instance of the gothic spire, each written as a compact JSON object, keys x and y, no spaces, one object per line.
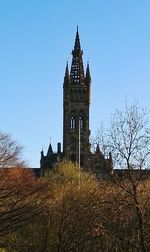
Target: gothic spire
{"x":77,"y":47}
{"x":77,"y":71}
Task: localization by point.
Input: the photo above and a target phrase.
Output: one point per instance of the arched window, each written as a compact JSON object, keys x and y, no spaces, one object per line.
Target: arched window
{"x":81,"y":122}
{"x":72,"y":123}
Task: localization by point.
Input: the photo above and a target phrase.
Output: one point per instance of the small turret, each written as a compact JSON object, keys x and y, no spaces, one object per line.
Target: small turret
{"x":42,"y":159}
{"x":42,"y":153}
{"x":59,"y":148}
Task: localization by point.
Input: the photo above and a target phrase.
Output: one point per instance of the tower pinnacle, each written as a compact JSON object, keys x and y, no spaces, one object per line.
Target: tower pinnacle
{"x":50,"y":150}
{"x":66,"y":78}
{"x":88,"y":76}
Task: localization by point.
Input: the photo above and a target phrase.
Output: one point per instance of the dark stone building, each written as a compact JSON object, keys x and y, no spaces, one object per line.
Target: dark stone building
{"x":76,"y":132}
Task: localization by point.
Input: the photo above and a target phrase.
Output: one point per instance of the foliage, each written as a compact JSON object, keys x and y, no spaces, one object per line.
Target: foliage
{"x":83,"y":214}
{"x":21,"y":198}
{"x":71,"y":210}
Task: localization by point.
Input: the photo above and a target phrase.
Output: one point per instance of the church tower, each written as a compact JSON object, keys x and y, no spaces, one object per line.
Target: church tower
{"x":76,"y":102}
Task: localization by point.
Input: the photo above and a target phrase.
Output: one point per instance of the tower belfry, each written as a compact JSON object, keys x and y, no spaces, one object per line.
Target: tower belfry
{"x":76,"y":97}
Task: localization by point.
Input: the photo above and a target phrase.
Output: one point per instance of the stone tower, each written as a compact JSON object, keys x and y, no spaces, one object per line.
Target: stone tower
{"x":76,"y":102}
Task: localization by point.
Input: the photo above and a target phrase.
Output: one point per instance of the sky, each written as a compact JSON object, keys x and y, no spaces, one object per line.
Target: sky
{"x":36,"y":40}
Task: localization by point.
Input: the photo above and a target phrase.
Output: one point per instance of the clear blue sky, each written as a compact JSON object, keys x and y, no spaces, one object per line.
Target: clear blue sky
{"x":36,"y":39}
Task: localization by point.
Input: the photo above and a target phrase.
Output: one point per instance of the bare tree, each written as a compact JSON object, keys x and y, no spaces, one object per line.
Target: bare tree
{"x":10,"y":152}
{"x":128,"y":139}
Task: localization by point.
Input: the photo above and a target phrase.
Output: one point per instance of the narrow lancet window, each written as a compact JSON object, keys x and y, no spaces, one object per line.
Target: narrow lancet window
{"x":72,"y":123}
{"x":81,"y":122}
